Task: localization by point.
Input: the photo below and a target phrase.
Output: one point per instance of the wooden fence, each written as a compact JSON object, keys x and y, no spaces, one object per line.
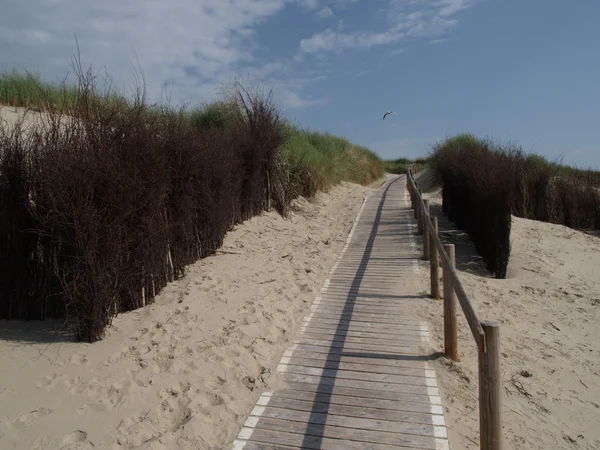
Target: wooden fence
{"x":486,"y":334}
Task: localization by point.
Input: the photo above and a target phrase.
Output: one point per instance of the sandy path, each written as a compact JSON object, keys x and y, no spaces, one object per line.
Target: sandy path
{"x":549,"y":309}
{"x":182,"y":372}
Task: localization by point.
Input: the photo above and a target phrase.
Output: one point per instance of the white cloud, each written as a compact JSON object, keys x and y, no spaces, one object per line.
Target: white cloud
{"x":192,"y":46}
{"x":341,"y":4}
{"x":406,"y":19}
{"x":331,"y":40}
{"x":309,"y":5}
{"x":451,"y":7}
{"x":325,"y":13}
{"x":290,"y":99}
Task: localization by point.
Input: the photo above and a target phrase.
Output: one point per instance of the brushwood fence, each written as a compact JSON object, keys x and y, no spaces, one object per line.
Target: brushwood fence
{"x":99,"y":210}
{"x":485,"y":184}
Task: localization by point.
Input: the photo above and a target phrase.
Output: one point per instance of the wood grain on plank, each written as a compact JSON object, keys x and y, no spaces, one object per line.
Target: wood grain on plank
{"x":341,"y":336}
{"x":397,"y":378}
{"x":353,"y":397}
{"x":334,"y":438}
{"x":407,"y":350}
{"x":357,"y":384}
{"x":355,"y":411}
{"x":378,"y":360}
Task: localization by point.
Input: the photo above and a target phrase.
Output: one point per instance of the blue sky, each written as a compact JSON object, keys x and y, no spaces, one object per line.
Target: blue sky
{"x":520,"y":70}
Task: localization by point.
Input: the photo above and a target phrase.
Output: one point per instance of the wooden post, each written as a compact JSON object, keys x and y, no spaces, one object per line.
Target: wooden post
{"x":417,"y":194}
{"x":490,"y":389}
{"x":419,"y":217}
{"x":409,"y":187}
{"x":426,"y":231}
{"x":450,"y":326}
{"x":434,"y":262}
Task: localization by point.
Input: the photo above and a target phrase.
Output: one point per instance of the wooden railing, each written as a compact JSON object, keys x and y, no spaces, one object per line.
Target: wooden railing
{"x":486,"y":334}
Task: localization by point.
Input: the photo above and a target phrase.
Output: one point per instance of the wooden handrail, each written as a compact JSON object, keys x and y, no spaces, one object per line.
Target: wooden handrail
{"x":467,"y":307}
{"x":486,"y":334}
{"x":459,"y":290}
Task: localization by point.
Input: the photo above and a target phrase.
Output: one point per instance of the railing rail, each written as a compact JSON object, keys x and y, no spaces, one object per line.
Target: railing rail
{"x":486,"y":334}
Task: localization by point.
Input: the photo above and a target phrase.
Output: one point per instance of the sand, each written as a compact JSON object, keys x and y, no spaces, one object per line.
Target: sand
{"x":183,"y":372}
{"x":549,"y":310}
{"x":9,"y":116}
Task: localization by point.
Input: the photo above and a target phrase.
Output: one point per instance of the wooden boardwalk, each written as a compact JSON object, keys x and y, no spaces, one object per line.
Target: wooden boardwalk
{"x":355,"y":378}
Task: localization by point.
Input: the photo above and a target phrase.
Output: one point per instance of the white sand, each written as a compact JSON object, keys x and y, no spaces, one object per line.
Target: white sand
{"x":549,"y":310}
{"x":182,"y":372}
{"x":10,"y":115}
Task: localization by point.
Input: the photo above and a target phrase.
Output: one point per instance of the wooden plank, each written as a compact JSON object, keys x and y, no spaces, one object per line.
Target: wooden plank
{"x":324,"y":316}
{"x":371,"y":340}
{"x":343,"y":282}
{"x":358,"y":384}
{"x":248,"y":445}
{"x":377,"y":304}
{"x":354,"y":411}
{"x":364,"y":296}
{"x":363,"y":392}
{"x":390,"y":295}
{"x":373,"y":271}
{"x":331,"y":437}
{"x":366,"y":318}
{"x":359,"y":423}
{"x":340,"y":374}
{"x":377,"y":287}
{"x":353,"y":311}
{"x":356,"y":347}
{"x":397,"y":309}
{"x":368,"y":368}
{"x":389,"y":311}
{"x":388,"y":328}
{"x":407,"y":404}
{"x":361,"y":291}
{"x":374,"y":360}
{"x":343,"y":336}
{"x":343,"y":327}
{"x":368,"y":332}
{"x":329,"y":322}
{"x":321,"y":333}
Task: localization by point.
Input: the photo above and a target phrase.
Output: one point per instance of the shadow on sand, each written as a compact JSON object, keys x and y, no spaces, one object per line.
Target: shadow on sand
{"x":36,"y":331}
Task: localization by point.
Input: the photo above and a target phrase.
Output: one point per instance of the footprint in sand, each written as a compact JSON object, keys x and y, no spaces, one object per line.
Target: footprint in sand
{"x":41,"y":443}
{"x":75,"y":386}
{"x":117,"y":393}
{"x":49,"y":382}
{"x":93,"y":407}
{"x":78,"y":359}
{"x":25,"y":419}
{"x":76,"y":440}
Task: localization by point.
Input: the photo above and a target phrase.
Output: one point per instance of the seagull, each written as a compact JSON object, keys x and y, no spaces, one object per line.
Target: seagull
{"x":387,"y":114}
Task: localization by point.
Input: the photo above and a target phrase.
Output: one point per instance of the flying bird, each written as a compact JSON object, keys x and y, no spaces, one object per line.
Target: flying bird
{"x":387,"y":114}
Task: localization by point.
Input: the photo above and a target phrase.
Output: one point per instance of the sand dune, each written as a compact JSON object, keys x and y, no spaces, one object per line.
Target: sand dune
{"x":549,"y":309}
{"x":182,"y":372}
